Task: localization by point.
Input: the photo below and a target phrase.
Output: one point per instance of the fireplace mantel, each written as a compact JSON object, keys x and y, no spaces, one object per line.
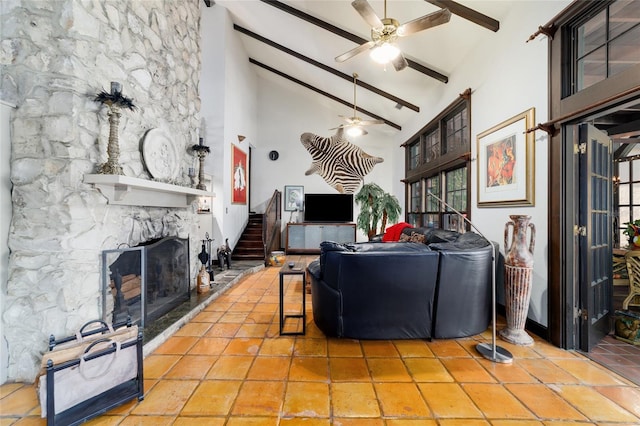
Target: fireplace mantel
{"x":130,"y":191}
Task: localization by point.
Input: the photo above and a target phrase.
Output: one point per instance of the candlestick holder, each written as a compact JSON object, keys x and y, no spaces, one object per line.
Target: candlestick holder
{"x":115,"y":102}
{"x":192,"y":175}
{"x":201,"y":151}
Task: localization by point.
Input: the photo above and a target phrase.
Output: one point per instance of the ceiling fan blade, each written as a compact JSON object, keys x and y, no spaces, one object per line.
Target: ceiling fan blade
{"x":370,"y":122}
{"x":424,"y":22}
{"x":368,"y":14}
{"x":353,"y":52}
{"x":400,"y":63}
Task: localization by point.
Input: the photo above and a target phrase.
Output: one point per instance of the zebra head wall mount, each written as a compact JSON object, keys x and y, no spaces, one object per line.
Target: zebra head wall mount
{"x":355,"y":124}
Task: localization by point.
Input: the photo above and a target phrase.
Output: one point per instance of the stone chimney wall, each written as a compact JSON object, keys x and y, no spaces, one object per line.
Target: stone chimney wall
{"x":55,"y":56}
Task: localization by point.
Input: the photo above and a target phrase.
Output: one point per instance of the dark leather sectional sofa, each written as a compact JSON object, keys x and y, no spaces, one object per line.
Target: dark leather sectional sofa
{"x":404,"y":290}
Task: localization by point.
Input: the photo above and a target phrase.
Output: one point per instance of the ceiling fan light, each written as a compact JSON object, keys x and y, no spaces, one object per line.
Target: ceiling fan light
{"x":384,"y":53}
{"x":355,"y":131}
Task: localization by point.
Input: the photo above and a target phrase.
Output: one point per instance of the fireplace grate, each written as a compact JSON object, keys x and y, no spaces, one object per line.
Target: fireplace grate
{"x":145,"y":282}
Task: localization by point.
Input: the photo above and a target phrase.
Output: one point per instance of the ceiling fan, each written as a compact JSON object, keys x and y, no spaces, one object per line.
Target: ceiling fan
{"x":385,"y":32}
{"x":354,"y":124}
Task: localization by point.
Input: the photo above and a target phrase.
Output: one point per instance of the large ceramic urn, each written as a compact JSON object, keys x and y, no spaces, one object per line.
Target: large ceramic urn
{"x":519,"y":242}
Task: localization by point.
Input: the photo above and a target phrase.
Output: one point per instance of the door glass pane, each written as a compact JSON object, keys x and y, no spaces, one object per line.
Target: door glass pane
{"x":624,"y":52}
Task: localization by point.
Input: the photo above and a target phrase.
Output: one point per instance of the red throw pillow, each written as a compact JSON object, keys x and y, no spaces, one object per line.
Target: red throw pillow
{"x":393,"y":232}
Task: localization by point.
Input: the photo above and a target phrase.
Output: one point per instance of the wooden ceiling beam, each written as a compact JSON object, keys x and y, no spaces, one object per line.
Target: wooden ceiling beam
{"x":324,"y":67}
{"x":323,"y":93}
{"x":626,"y":130}
{"x":349,"y":36}
{"x":467,"y":13}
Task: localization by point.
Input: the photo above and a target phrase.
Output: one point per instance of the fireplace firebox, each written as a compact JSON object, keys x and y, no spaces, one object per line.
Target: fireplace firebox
{"x":145,"y":282}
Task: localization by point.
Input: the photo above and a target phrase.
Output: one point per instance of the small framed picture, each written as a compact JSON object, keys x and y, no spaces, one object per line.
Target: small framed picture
{"x":293,"y":198}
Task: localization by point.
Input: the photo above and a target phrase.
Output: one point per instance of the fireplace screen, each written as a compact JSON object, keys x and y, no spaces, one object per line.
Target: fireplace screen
{"x":145,"y":282}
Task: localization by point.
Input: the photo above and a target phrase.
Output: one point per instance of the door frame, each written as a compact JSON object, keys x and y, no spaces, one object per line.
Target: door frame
{"x":564,"y":266}
{"x":600,"y":99}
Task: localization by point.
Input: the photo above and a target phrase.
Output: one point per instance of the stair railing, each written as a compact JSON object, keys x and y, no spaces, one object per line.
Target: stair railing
{"x":271,"y":225}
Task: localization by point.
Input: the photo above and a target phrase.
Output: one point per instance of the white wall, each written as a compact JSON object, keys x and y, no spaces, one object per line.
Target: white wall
{"x":283,"y":116}
{"x":240,"y":105}
{"x":228,"y":91}
{"x":5,"y":220}
{"x":507,"y":76}
{"x":212,"y":92}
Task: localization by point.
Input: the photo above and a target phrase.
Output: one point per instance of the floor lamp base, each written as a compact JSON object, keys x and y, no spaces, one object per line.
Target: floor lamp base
{"x":500,"y":355}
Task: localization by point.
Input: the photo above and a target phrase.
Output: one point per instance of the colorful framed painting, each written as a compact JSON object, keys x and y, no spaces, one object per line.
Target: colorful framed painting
{"x":506,"y":161}
{"x":293,"y":198}
{"x":239,"y":176}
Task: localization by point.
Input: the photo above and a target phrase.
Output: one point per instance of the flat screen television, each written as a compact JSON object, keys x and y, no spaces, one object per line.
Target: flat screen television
{"x":328,"y":208}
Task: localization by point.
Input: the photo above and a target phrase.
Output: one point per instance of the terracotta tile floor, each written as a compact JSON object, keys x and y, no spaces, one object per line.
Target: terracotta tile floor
{"x":229,"y":366}
{"x":618,"y":356}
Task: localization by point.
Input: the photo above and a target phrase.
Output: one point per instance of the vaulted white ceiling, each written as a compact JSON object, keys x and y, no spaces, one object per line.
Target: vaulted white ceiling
{"x":441,"y":50}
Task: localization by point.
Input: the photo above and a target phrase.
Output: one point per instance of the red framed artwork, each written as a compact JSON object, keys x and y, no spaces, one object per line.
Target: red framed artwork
{"x":239,"y":177}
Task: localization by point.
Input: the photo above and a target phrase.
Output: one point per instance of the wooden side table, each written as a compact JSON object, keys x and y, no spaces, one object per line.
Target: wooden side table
{"x":299,"y":269}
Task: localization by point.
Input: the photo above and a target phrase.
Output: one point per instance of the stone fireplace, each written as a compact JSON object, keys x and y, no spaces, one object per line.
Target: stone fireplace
{"x":55,"y":57}
{"x":145,"y":282}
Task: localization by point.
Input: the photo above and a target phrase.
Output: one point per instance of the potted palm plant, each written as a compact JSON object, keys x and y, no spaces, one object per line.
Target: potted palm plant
{"x":390,"y":207}
{"x":376,"y":206}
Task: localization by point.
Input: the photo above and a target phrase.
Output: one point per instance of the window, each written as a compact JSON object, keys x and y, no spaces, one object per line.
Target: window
{"x":606,"y":43}
{"x":456,"y":197}
{"x":432,"y":146}
{"x":457,"y":134}
{"x":416,"y":197}
{"x":628,"y":196}
{"x":450,"y":186}
{"x":414,"y":155}
{"x":437,"y":162}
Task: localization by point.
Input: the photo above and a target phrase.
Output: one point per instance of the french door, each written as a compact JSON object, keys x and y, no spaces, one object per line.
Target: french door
{"x":595,"y":235}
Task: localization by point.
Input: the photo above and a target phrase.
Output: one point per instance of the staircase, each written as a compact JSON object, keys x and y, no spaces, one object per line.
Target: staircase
{"x":250,"y":246}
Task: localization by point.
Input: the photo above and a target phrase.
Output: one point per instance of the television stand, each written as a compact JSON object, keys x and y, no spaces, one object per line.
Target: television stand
{"x":305,"y":238}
